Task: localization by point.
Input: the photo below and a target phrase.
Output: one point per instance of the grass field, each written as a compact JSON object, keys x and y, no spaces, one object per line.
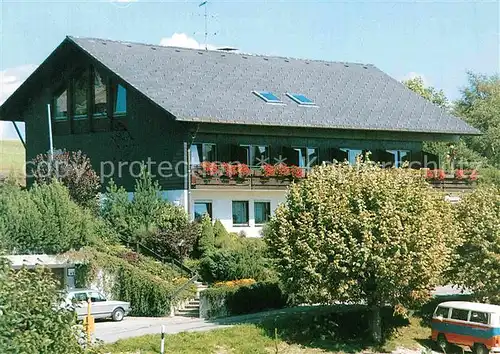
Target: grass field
{"x":255,"y":338}
{"x":12,"y":157}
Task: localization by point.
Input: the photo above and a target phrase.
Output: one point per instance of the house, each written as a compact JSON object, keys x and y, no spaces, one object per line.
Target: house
{"x":125,"y":104}
{"x":61,"y":267}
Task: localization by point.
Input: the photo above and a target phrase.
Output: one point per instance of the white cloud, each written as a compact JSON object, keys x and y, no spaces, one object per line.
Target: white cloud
{"x":10,"y":80}
{"x":184,"y":41}
{"x":412,"y":75}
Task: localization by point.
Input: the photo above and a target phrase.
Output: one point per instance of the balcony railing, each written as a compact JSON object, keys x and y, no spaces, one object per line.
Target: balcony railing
{"x":211,"y":175}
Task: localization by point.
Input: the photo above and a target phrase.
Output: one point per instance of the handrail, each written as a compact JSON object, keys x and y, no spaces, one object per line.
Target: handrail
{"x":193,"y":275}
{"x":163,"y":259}
{"x":184,"y":286}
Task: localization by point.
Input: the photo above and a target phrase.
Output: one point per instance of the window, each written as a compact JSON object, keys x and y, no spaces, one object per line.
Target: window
{"x":119,"y":99}
{"x":240,"y":213}
{"x":96,"y":297}
{"x":80,"y":90}
{"x":202,"y":208}
{"x":253,"y":155}
{"x":100,"y":95}
{"x":61,"y":106}
{"x":459,"y":314}
{"x":399,"y":157}
{"x":442,"y":312}
{"x":262,"y":212}
{"x":479,"y":317}
{"x":80,"y":297}
{"x":352,"y":155}
{"x":301,"y":156}
{"x":202,"y":152}
{"x":269,"y":97}
{"x":300,"y":99}
{"x":259,"y":155}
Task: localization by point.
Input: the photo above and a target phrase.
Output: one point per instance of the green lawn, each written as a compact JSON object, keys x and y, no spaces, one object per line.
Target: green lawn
{"x":12,"y":157}
{"x":259,"y":338}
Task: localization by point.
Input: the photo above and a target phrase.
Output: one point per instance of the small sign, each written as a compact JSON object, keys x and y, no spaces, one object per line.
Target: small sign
{"x":71,"y":272}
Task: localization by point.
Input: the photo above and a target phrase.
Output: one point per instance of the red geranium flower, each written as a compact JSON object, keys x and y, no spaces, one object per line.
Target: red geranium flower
{"x":210,"y":168}
{"x":297,"y":172}
{"x":459,"y":174}
{"x":243,"y":170}
{"x":229,"y":170}
{"x":282,"y":170}
{"x":473,"y":175}
{"x":268,"y":170}
{"x":440,"y":174}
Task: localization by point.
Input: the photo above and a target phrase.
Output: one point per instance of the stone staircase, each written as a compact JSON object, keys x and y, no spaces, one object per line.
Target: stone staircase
{"x":192,"y":308}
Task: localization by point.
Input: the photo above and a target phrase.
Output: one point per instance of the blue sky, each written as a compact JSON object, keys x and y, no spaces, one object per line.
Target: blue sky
{"x":439,"y":40}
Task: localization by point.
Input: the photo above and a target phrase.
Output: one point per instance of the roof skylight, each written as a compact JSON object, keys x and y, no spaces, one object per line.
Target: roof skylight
{"x":300,"y":99}
{"x":267,"y":96}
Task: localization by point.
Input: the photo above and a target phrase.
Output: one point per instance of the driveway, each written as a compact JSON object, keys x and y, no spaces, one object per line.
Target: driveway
{"x":109,"y":331}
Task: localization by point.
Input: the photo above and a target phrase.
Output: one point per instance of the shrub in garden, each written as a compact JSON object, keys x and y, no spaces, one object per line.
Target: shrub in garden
{"x":44,"y":219}
{"x":247,"y":259}
{"x":73,"y":170}
{"x":206,"y":241}
{"x":149,"y":219}
{"x":128,"y":276}
{"x":31,"y":320}
{"x":239,"y":297}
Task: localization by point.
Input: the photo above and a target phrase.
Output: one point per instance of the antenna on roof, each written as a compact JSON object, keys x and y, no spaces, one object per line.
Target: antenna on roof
{"x":204,"y":4}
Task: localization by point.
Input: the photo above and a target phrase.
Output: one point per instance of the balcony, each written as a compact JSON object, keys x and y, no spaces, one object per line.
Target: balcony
{"x":458,"y":181}
{"x":211,"y":175}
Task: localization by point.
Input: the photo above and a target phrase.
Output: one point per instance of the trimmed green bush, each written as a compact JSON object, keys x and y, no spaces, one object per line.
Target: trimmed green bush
{"x":233,"y":300}
{"x":148,"y":285}
{"x":44,"y":219}
{"x":247,"y":258}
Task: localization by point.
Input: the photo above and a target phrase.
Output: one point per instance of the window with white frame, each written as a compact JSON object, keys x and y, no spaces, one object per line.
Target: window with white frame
{"x":203,"y":152}
{"x":202,"y":208}
{"x":262,"y":212}
{"x":240,"y":213}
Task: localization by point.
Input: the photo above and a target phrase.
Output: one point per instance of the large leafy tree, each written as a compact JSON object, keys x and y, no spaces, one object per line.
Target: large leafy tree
{"x":480,"y":107}
{"x":430,"y":93}
{"x":361,"y":234}
{"x":449,"y":153}
{"x":31,"y":320}
{"x":476,"y":264}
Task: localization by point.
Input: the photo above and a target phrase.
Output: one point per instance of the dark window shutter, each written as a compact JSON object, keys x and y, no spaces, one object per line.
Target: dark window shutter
{"x":291,"y":155}
{"x":239,"y":153}
{"x":339,"y":155}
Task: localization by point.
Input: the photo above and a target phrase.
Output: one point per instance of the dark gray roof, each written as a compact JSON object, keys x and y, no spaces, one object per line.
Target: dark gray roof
{"x":214,"y":86}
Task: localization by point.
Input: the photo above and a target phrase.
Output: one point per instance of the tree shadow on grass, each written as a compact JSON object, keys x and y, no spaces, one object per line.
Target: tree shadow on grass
{"x":430,"y":344}
{"x":339,"y":328}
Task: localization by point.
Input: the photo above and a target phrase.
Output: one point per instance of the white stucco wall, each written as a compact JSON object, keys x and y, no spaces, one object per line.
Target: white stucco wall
{"x":222,"y":208}
{"x":177,"y":197}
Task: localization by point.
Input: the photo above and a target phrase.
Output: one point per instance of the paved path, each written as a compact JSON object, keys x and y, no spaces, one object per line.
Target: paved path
{"x":109,"y":331}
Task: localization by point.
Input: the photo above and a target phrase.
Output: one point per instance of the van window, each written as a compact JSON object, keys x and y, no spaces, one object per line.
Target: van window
{"x":479,"y":317}
{"x":459,"y":314}
{"x":442,"y":312}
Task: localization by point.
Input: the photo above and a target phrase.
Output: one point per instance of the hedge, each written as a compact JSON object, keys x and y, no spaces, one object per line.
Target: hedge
{"x":147,"y":284}
{"x":220,"y":301}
